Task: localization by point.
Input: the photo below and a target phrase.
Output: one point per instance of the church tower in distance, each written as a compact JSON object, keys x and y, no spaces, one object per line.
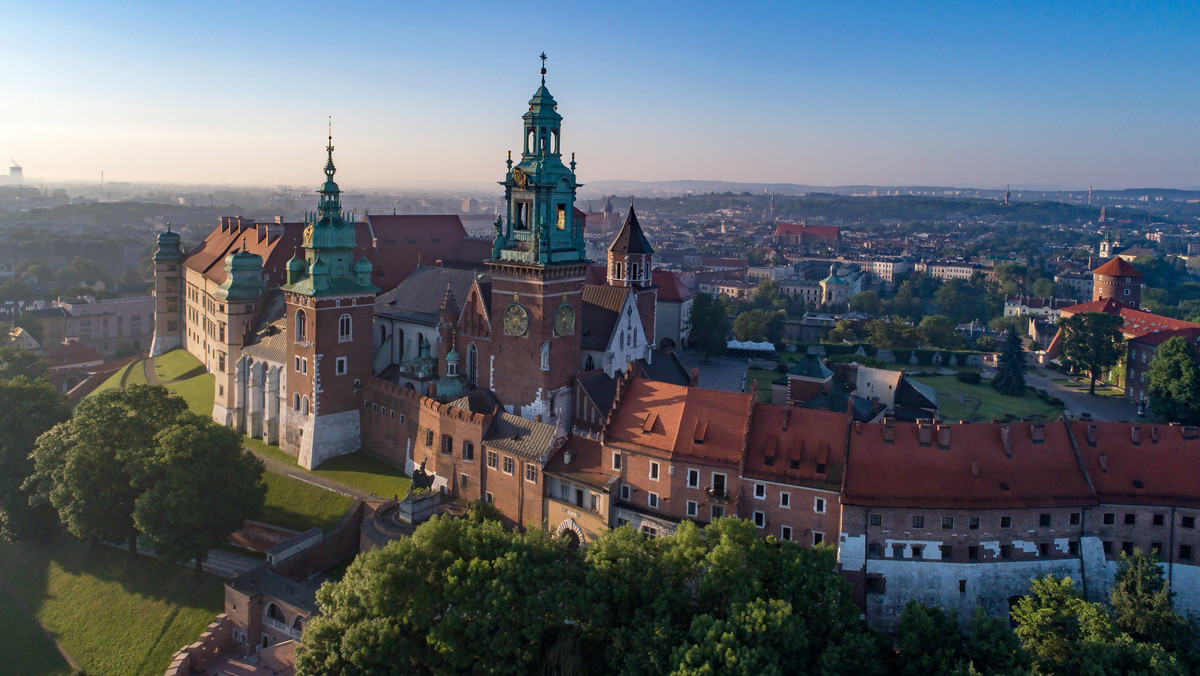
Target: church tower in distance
{"x":330,"y":302}
{"x":537,"y":268}
{"x":630,"y":264}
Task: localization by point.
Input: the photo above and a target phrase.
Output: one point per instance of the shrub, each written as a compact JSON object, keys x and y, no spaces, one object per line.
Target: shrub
{"x":968,"y":377}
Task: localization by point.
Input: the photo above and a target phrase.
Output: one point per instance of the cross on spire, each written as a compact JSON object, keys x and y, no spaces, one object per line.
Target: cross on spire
{"x":542,"y":56}
{"x":329,"y":168}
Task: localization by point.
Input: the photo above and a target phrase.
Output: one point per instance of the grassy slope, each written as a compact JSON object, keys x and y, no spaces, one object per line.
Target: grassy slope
{"x":294,"y":504}
{"x":25,"y":650}
{"x":120,"y":378}
{"x":115,"y":616}
{"x":993,"y":406}
{"x":357,"y":469}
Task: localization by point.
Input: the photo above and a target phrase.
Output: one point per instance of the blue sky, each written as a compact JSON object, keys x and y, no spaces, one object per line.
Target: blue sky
{"x":964,"y":93}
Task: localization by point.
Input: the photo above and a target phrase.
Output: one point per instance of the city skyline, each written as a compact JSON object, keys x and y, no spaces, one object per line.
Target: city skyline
{"x":1065,"y":96}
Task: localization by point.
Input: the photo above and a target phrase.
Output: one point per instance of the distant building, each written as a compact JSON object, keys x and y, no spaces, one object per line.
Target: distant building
{"x":823,"y":236}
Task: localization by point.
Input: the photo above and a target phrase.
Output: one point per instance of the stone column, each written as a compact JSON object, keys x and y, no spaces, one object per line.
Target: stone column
{"x":254,"y":401}
{"x":271,"y":406}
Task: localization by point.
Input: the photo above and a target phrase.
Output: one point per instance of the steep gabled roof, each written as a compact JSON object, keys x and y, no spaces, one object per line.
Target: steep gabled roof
{"x":602,"y":305}
{"x":682,"y":422}
{"x":419,"y":298}
{"x":630,"y":239}
{"x":1117,"y":267}
{"x":670,"y":287}
{"x":1141,"y":464}
{"x":797,"y":446}
{"x":524,"y":438}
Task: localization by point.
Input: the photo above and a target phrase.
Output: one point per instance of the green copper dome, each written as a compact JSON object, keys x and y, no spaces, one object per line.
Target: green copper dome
{"x":243,"y":260}
{"x":243,"y":276}
{"x":168,"y":246}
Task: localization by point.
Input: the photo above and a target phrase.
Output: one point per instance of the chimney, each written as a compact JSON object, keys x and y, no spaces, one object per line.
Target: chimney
{"x":975,"y":467}
{"x":1006,"y":440}
{"x":1135,"y":435}
{"x":889,"y":430}
{"x":1154,"y":434}
{"x":924,"y":432}
{"x":787,"y":413}
{"x":943,"y":435}
{"x":1104,"y":462}
{"x":1091,"y":435}
{"x":566,"y":457}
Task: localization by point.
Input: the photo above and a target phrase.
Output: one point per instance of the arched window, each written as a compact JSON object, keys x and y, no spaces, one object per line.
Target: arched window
{"x":590,"y":364}
{"x":345,"y":329}
{"x":274,"y":613}
{"x":304,"y":406}
{"x":301,"y":326}
{"x":472,"y":364}
{"x":635,"y":271}
{"x":296,"y":401}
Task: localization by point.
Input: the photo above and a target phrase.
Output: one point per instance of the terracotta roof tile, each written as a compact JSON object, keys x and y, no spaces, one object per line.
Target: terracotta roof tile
{"x":793,"y":445}
{"x":1141,"y":464}
{"x":587,"y":465}
{"x":670,"y":287}
{"x":1117,"y":267}
{"x":685,"y":422}
{"x":975,"y":469}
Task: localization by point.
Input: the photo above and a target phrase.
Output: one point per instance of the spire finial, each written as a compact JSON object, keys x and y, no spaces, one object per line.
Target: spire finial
{"x":243,"y":245}
{"x":329,"y":168}
{"x":542,"y":56}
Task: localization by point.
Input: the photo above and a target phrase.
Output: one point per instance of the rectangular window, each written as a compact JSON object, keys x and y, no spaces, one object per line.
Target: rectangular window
{"x":624,"y":491}
{"x":947,"y":523}
{"x":652,"y":500}
{"x":760,"y":519}
{"x":297,"y":364}
{"x":785,"y":533}
{"x":1185,"y":552}
{"x":718,"y":511}
{"x":468,"y":450}
{"x":918,"y":522}
{"x":1107,"y":547}
{"x":392,"y":414}
{"x":760,"y":491}
{"x":1075,"y":517}
{"x":1006,"y":551}
{"x":876,"y":519}
{"x":693,"y":508}
{"x":616,"y":460}
{"x":918,"y":551}
{"x":973,"y":553}
{"x":897,"y":551}
{"x":429,"y":438}
{"x":1073,"y":547}
{"x":531,"y":472}
{"x":1006,"y":522}
{"x":946,"y":551}
{"x":341,"y":367}
{"x":493,"y":459}
{"x":561,"y":222}
{"x":1043,"y":549}
{"x":1160,"y":519}
{"x":785,"y":499}
{"x":973,"y":523}
{"x":693,"y":478}
{"x":1127,"y":548}
{"x":488,"y":496}
{"x":1130,"y":519}
{"x":509,"y":465}
{"x":1109,"y":519}
{"x":873,"y":550}
{"x":654,"y":470}
{"x":818,"y":538}
{"x":1044,"y":520}
{"x":595,"y":502}
{"x":447,"y":444}
{"x":718,"y":483}
{"x":819,"y":505}
{"x":462,"y":480}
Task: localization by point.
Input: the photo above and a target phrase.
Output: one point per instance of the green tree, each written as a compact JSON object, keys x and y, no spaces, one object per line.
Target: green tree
{"x":892,"y":332}
{"x":203,"y":486}
{"x":95,"y":466}
{"x":1010,"y":366}
{"x":17,"y":361}
{"x":843,"y":330}
{"x":760,"y":638}
{"x":1141,"y":600}
{"x":867,"y":302}
{"x":766,"y":293}
{"x":759,"y":325}
{"x":1092,"y":343}
{"x":1174,"y":382}
{"x":459,"y":596}
{"x":28,"y":408}
{"x":13,"y":291}
{"x":992,"y":648}
{"x":929,"y":641}
{"x":939,"y":332}
{"x":709,"y":324}
{"x":1042,"y":287}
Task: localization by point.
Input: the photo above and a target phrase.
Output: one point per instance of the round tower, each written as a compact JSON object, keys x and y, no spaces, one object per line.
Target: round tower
{"x":1120,"y":281}
{"x":834,"y":289}
{"x":168,"y":294}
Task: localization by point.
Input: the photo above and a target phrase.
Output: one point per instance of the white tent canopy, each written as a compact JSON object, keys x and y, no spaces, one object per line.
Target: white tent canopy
{"x":749,"y":346}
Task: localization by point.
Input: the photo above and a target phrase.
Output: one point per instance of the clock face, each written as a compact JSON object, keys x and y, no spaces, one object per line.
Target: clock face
{"x":516,"y":320}
{"x":564,"y":320}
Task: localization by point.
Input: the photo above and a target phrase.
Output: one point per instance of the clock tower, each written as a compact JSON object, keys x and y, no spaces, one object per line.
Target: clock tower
{"x":537,"y":267}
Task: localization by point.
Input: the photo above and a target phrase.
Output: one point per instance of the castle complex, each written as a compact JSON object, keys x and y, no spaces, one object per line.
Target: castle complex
{"x":517,"y":372}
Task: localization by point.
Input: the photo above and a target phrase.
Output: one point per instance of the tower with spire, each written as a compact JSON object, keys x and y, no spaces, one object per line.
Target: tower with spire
{"x":537,"y":265}
{"x":630,"y":264}
{"x":330,"y":303}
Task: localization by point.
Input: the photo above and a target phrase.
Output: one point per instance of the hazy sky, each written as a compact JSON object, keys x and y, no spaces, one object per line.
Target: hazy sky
{"x":888,"y":93}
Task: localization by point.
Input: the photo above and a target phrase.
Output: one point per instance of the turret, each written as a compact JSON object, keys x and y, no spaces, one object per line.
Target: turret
{"x":630,"y":256}
{"x":168,"y":294}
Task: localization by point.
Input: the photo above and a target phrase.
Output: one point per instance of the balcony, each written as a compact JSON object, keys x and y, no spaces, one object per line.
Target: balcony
{"x":717,"y":494}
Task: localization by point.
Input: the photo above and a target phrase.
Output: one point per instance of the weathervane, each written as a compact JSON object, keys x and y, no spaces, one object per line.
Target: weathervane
{"x":542,"y":56}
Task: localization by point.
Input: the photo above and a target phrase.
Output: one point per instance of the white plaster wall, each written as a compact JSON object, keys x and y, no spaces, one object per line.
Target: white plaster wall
{"x":328,"y":436}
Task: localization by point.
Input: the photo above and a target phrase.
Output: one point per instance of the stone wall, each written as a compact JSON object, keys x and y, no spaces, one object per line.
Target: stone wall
{"x":333,"y":546}
{"x":215,"y":639}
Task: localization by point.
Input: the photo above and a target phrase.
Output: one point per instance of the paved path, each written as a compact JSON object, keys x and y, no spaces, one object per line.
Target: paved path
{"x":721,"y":373}
{"x":1100,"y":407}
{"x":287,"y":469}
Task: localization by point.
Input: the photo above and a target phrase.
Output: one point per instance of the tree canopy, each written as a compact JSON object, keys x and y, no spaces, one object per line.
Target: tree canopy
{"x":1174,"y":382}
{"x":1010,"y":366}
{"x":27,"y":409}
{"x":1092,"y":343}
{"x":709,"y":324}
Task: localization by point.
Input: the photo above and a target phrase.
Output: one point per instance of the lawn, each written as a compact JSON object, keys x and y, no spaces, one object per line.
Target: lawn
{"x":294,"y":504}
{"x":177,"y":364}
{"x":991,"y":404}
{"x":357,"y":470}
{"x":25,"y":650}
{"x":764,"y":377}
{"x":115,"y":616}
{"x":197,"y":391}
{"x":121,"y":377}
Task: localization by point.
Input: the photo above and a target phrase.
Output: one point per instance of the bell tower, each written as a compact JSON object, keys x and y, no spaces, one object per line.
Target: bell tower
{"x":330,"y":304}
{"x":537,"y":268}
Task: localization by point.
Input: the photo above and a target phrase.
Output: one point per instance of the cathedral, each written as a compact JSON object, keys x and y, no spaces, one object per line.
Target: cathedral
{"x":384,"y":332}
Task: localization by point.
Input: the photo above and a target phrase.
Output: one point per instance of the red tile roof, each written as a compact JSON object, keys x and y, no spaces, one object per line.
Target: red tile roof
{"x":682,"y":422}
{"x":1138,"y":323}
{"x":972,"y":470}
{"x":791,"y":445}
{"x":1162,"y":467}
{"x":1117,"y":267}
{"x":587,"y":463}
{"x":670,"y":287}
